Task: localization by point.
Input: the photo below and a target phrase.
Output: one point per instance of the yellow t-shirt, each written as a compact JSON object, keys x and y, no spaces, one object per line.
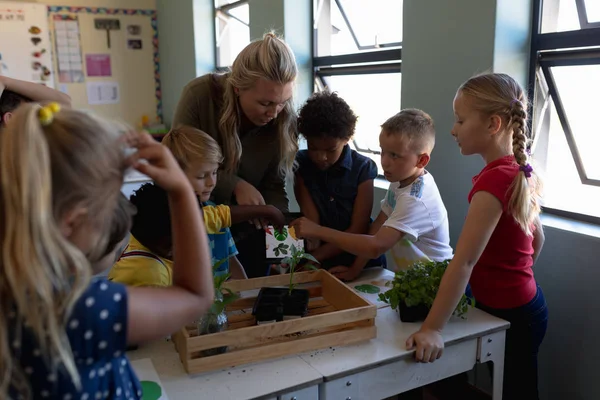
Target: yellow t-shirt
{"x":138,"y":266}
{"x":216,"y":218}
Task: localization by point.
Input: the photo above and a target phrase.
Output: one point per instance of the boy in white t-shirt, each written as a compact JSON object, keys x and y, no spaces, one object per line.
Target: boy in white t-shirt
{"x":413,"y":222}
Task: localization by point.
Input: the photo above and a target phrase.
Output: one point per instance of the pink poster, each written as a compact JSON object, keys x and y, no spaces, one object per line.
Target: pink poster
{"x":98,"y":64}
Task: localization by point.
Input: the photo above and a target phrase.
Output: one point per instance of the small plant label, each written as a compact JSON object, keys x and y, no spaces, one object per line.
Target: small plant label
{"x":278,"y":243}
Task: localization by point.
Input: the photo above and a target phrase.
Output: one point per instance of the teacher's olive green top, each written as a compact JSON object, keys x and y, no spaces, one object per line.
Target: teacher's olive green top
{"x":200,"y":107}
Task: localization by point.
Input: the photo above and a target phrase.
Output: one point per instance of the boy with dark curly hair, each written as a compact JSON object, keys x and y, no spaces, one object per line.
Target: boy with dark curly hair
{"x":334,"y":183}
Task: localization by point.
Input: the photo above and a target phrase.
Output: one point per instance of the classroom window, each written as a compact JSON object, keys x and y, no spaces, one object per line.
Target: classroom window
{"x":357,"y":53}
{"x":232,"y":20}
{"x":349,"y":26}
{"x":565,"y":71}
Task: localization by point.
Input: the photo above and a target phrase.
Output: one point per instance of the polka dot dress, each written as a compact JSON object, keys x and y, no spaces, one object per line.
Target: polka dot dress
{"x":98,"y":337}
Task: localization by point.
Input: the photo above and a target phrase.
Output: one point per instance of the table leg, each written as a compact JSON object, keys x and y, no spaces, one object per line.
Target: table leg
{"x":491,"y":348}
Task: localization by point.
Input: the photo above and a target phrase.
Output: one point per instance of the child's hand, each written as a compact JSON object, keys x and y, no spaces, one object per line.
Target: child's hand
{"x":159,"y":164}
{"x":344,"y":273}
{"x":276,"y":217}
{"x":305,"y":228}
{"x":429,"y":345}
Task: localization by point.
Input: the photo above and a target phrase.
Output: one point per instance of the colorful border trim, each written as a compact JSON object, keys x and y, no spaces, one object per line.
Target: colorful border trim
{"x":122,"y":11}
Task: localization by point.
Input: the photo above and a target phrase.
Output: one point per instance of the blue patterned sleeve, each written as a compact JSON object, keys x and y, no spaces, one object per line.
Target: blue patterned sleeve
{"x":232,"y":250}
{"x":97,"y":327}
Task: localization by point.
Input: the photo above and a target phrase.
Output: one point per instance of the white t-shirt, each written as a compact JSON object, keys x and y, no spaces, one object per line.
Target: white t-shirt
{"x":417,"y":210}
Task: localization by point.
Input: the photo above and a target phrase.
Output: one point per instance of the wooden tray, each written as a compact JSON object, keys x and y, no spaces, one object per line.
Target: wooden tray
{"x":337,"y":316}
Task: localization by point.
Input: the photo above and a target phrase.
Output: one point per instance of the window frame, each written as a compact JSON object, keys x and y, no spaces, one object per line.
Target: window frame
{"x":388,"y":60}
{"x":224,"y":9}
{"x":567,"y":48}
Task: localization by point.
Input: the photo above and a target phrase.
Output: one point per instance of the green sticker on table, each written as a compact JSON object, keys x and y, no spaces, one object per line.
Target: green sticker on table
{"x":372,"y":289}
{"x":151,"y":390}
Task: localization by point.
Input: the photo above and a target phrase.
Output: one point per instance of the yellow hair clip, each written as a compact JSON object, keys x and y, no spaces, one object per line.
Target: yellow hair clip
{"x":46,"y":113}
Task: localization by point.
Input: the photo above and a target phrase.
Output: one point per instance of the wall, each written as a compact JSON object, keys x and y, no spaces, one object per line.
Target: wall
{"x":133,"y":70}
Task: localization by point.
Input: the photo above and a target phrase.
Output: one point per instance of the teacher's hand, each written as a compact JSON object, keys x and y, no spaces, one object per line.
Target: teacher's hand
{"x":248,"y":195}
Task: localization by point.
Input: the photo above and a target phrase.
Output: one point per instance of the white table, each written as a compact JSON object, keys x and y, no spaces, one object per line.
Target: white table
{"x":287,"y":377}
{"x":383,"y":367}
{"x":372,"y":370}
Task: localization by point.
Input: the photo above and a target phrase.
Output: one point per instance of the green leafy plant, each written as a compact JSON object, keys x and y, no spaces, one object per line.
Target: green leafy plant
{"x":292,"y":261}
{"x":221,"y":299}
{"x":419,"y":285}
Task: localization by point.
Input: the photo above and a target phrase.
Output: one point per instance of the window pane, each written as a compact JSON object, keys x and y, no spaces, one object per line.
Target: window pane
{"x":578,"y":87}
{"x":372,"y":108}
{"x":560,"y":16}
{"x":592,"y":7}
{"x":563,"y":189}
{"x":232,"y":35}
{"x":374,"y":23}
{"x":220,"y":3}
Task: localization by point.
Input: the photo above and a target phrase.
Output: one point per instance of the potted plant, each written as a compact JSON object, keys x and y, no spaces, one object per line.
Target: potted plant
{"x":414,"y":289}
{"x":215,"y":320}
{"x":275,"y":303}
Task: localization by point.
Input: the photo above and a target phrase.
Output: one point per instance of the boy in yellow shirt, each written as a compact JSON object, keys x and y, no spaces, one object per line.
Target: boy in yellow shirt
{"x":147,"y":259}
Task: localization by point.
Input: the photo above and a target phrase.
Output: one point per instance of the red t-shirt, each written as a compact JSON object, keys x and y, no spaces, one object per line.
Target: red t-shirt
{"x":502,"y":277}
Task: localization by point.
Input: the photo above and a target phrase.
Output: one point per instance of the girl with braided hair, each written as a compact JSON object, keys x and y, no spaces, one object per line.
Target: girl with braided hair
{"x":502,"y":235}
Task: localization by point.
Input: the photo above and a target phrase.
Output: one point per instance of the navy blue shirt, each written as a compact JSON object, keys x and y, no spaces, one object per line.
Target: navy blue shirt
{"x":97,"y":333}
{"x":334,"y":190}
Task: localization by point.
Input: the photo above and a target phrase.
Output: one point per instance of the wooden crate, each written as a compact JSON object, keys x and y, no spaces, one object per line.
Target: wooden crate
{"x":337,"y":316}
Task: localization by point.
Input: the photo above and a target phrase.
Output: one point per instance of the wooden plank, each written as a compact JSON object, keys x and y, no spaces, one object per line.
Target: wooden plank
{"x":242,"y":324}
{"x":280,"y":349}
{"x":241,"y":304}
{"x":321,"y":310}
{"x":304,"y":334}
{"x":240,"y":285}
{"x":260,"y":333}
{"x":339,"y":294}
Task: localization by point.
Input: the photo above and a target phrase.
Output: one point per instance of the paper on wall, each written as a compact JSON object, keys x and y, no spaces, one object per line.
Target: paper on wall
{"x":103,"y":93}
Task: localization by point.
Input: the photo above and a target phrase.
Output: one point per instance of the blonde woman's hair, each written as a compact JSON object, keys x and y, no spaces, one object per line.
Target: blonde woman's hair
{"x":269,"y":58}
{"x":189,"y":145}
{"x":500,"y":94}
{"x":46,"y":171}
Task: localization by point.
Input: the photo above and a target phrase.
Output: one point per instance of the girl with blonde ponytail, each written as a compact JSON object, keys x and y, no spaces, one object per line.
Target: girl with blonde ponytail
{"x":250,"y":112}
{"x":502,"y":235}
{"x":63,"y":335}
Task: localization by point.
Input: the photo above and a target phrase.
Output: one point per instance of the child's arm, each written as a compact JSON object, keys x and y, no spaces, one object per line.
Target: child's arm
{"x":370,"y":246}
{"x":34,"y":91}
{"x":350,"y":273}
{"x":483,"y":216}
{"x":361,"y":211}
{"x":156,"y":312}
{"x":305,"y":201}
{"x":268,"y":212}
{"x":235,"y":269}
{"x":222,"y":216}
{"x":538,"y":239}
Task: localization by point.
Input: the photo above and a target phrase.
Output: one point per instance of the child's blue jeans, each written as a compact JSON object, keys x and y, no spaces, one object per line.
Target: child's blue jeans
{"x":528,"y":325}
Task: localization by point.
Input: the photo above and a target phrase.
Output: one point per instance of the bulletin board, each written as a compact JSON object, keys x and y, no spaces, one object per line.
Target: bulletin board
{"x":119,"y":75}
{"x":25,"y":47}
